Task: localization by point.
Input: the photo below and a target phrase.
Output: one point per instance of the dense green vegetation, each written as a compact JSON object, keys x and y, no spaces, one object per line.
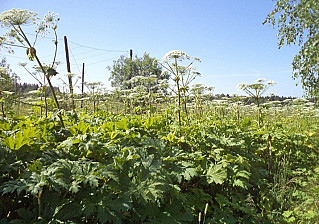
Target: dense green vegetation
{"x":117,"y":168}
{"x":151,"y":150}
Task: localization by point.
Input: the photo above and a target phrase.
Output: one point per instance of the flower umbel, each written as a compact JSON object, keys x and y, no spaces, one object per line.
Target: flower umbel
{"x":256,"y":90}
{"x":260,"y":80}
{"x":180,"y":55}
{"x":17,"y":17}
{"x":271,"y":82}
{"x":241,"y":86}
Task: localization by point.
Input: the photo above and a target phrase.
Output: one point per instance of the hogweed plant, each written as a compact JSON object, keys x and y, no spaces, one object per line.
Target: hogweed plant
{"x":237,"y":101}
{"x":35,"y":74}
{"x":127,"y":97}
{"x":70,"y":76}
{"x":143,"y":89}
{"x":256,"y":90}
{"x":70,"y":86}
{"x":200,"y":93}
{"x":95,"y":90}
{"x":15,"y":20}
{"x":182,"y":75}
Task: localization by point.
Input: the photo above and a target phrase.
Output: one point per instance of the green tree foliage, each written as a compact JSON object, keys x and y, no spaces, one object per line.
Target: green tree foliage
{"x":298,"y":23}
{"x":7,"y":86}
{"x":126,"y":68}
{"x":7,"y":77}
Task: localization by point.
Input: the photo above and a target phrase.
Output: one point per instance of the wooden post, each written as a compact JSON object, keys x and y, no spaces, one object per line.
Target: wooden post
{"x":82,"y":85}
{"x":67,"y":54}
{"x":69,"y":71}
{"x":131,"y":68}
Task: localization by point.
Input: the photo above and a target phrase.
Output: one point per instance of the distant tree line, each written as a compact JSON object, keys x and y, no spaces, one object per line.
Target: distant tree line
{"x":263,"y":99}
{"x":25,"y":88}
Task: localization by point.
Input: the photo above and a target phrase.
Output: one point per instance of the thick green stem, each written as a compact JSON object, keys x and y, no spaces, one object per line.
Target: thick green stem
{"x":150,"y":101}
{"x":2,"y":107}
{"x":259,"y":111}
{"x":185,"y":105}
{"x":238,"y":115}
{"x":45,"y":74}
{"x":178,"y":93}
{"x":45,"y":99}
{"x":52,"y":90}
{"x":39,"y":203}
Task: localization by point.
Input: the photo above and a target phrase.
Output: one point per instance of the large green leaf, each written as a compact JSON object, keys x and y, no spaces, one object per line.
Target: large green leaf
{"x":216,"y":174}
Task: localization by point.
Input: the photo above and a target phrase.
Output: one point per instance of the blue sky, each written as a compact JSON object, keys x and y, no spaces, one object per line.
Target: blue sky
{"x":227,"y":35}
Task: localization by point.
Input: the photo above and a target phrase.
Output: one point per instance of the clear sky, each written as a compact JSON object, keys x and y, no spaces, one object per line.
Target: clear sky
{"x":227,"y":35}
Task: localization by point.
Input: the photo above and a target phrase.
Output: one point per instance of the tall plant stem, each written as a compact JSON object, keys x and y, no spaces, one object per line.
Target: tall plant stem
{"x":258,"y":112}
{"x":45,"y":99}
{"x":45,"y":74}
{"x":178,"y":93}
{"x":185,"y":106}
{"x":2,"y":107}
{"x":150,"y":101}
{"x":238,"y":114}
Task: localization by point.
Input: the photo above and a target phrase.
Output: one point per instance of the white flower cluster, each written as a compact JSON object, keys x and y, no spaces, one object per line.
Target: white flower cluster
{"x":177,"y":54}
{"x":271,"y":82}
{"x":49,"y":22}
{"x":256,"y":89}
{"x":17,"y":17}
{"x":242,"y":86}
{"x":197,"y":85}
{"x":260,"y":80}
{"x":70,"y":75}
{"x":259,"y":84}
{"x":3,"y":70}
{"x":7,"y":92}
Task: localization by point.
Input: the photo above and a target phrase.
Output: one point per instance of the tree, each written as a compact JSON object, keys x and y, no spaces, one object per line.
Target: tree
{"x":298,"y":23}
{"x":8,"y":81}
{"x":124,"y":69}
{"x":7,"y":77}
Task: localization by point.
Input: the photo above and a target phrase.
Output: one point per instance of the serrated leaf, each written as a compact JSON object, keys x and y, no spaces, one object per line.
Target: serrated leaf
{"x":244,"y":174}
{"x":216,"y":174}
{"x":189,"y":173}
{"x":240,"y":183}
{"x":12,"y":186}
{"x":74,"y":187}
